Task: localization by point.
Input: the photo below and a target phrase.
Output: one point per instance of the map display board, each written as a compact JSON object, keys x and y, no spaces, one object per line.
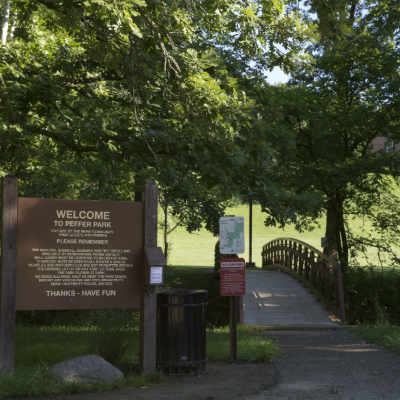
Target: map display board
{"x":79,"y":254}
{"x":231,"y":235}
{"x":232,"y":277}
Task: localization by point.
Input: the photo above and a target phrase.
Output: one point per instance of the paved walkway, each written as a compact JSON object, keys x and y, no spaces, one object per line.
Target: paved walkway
{"x":275,"y":299}
{"x":331,"y":365}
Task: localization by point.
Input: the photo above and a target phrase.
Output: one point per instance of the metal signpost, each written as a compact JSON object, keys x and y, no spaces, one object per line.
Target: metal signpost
{"x":232,"y":270}
{"x":233,"y":283}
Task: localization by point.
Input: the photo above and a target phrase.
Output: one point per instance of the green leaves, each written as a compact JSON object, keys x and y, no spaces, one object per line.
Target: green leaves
{"x":99,"y":96}
{"x":336,"y":113}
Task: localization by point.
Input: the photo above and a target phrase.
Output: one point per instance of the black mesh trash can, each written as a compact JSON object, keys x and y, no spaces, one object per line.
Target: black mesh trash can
{"x":181,"y":331}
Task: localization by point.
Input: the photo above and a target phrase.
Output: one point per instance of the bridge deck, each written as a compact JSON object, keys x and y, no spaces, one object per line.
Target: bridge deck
{"x":276,"y":299}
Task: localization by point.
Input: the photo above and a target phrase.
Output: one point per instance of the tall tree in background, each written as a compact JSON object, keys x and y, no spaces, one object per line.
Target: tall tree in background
{"x":335,"y":108}
{"x":5,"y":21}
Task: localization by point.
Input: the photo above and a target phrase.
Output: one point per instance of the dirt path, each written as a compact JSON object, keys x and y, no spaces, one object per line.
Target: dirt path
{"x":222,"y":381}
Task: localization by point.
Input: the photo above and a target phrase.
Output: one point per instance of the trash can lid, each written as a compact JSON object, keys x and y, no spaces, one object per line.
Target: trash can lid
{"x":181,"y":291}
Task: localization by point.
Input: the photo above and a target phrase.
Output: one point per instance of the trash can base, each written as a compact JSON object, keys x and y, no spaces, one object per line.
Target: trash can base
{"x":175,"y":368}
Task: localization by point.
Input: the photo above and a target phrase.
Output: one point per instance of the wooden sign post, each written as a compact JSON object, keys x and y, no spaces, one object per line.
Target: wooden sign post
{"x":79,"y":254}
{"x":148,"y":312}
{"x":9,"y":271}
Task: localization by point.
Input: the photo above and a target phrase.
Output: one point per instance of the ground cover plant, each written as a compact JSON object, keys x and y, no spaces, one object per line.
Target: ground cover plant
{"x":372,"y":296}
{"x":251,"y":345}
{"x":385,"y":335}
{"x":37,"y":348}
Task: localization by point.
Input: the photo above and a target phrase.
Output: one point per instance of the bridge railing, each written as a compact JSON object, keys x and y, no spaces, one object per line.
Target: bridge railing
{"x":321,"y":274}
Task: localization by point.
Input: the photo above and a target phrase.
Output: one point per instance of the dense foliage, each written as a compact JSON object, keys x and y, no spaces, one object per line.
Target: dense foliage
{"x":332,"y":109}
{"x":99,"y":96}
{"x":372,"y":296}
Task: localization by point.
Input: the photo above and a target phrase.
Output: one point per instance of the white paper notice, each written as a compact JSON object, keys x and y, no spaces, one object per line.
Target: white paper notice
{"x":156,"y":275}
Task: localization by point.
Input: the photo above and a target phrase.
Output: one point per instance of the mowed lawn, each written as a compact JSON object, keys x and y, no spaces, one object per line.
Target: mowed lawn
{"x":197,"y":249}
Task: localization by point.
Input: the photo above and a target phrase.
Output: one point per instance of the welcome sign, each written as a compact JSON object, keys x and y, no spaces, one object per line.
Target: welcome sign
{"x":79,"y":254}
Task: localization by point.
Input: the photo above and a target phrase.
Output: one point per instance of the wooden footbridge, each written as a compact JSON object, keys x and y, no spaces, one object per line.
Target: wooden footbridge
{"x":298,"y":286}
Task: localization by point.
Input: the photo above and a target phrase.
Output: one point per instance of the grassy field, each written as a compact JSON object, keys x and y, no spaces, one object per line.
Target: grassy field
{"x":197,"y":249}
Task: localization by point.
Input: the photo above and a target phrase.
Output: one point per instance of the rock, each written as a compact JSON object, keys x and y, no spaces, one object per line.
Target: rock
{"x":90,"y":368}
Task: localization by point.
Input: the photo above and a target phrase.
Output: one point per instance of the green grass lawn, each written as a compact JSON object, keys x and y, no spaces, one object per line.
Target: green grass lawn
{"x":197,"y":249}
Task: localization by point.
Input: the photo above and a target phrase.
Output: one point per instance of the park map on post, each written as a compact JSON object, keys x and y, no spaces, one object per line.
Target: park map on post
{"x":231,"y":235}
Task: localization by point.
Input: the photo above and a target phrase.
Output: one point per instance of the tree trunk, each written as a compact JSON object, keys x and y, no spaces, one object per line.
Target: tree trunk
{"x":330,"y":243}
{"x":6,"y":19}
{"x":344,"y":258}
{"x":335,"y":233}
{"x":166,"y":232}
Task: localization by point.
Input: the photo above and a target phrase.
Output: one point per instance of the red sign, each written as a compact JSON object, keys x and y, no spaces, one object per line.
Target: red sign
{"x":232,"y":277}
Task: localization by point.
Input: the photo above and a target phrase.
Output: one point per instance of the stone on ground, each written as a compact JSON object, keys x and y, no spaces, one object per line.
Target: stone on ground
{"x":90,"y":368}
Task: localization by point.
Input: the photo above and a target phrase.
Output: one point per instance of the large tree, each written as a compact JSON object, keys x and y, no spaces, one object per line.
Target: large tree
{"x":98,"y":96}
{"x":335,"y":108}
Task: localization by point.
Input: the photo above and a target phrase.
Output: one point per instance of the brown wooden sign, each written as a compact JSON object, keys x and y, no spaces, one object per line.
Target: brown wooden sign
{"x":79,"y":254}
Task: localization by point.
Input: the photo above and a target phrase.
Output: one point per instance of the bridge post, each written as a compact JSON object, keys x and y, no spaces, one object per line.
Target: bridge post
{"x":313,"y":269}
{"x":301,"y":261}
{"x":340,"y":292}
{"x":306,"y":264}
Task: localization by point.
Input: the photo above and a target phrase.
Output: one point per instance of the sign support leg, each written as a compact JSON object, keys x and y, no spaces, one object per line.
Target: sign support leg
{"x":148,"y":312}
{"x":9,"y":272}
{"x":233,"y":329}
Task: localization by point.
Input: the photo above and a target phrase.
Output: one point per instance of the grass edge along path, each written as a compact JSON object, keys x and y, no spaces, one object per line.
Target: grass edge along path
{"x":31,"y":378}
{"x":385,"y":335}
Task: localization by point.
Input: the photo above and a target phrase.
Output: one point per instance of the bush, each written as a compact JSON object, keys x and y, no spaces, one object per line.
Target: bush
{"x":372,"y":296}
{"x":53,"y":317}
{"x":112,"y":333}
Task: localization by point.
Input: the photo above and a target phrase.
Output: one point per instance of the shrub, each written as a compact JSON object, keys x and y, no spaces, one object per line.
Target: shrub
{"x":112,"y":333}
{"x":372,"y":296}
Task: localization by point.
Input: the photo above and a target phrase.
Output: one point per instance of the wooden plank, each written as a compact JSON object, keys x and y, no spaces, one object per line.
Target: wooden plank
{"x":9,"y":272}
{"x":325,"y":274}
{"x":275,"y":299}
{"x":148,"y":312}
